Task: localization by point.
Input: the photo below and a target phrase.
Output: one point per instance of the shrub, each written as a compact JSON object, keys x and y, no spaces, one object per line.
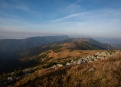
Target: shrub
{"x":18,"y":72}
{"x":43,"y":56}
{"x":39,"y":68}
{"x":49,"y":64}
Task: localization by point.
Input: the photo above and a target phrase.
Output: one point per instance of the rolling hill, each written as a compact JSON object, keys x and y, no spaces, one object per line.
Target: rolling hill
{"x":10,"y":49}
{"x":22,"y":44}
{"x":72,"y":44}
{"x":39,"y":59}
{"x":116,"y":45}
{"x":103,"y":73}
{"x":64,"y":48}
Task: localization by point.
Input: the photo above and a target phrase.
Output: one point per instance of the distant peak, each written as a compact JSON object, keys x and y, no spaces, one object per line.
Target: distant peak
{"x":81,"y":39}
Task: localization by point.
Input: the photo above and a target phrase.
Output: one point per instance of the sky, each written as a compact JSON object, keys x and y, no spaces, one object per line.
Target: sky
{"x":84,"y":18}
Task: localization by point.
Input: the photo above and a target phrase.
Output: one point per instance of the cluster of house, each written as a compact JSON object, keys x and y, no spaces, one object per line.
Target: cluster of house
{"x":88,"y":59}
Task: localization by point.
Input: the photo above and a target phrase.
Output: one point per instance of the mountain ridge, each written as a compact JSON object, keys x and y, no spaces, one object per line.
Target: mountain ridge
{"x":21,"y":44}
{"x":64,"y":48}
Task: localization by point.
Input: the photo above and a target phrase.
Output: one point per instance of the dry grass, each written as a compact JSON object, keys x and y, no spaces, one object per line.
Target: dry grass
{"x":63,"y":51}
{"x":71,"y":54}
{"x":107,"y":73}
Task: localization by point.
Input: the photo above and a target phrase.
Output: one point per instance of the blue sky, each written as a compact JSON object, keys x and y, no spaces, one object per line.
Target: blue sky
{"x":84,"y":18}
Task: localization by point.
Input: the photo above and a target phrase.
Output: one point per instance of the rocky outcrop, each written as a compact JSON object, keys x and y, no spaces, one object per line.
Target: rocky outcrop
{"x":89,"y":59}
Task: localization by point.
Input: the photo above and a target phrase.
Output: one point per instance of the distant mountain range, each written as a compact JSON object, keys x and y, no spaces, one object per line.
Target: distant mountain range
{"x":12,"y":51}
{"x":71,"y":44}
{"x":116,"y":45}
{"x":22,"y":44}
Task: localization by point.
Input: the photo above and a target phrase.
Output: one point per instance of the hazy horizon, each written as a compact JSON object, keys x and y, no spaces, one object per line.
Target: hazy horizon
{"x":83,"y":18}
